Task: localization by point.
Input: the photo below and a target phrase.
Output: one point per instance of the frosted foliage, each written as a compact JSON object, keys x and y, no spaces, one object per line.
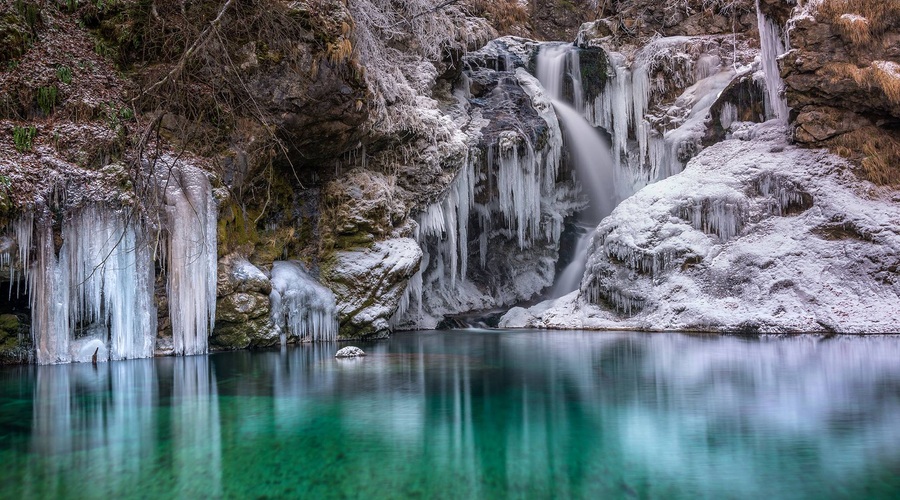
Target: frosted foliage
{"x":191,"y":257}
{"x":384,"y":25}
{"x":301,"y":307}
{"x":771,"y":47}
{"x":101,"y":283}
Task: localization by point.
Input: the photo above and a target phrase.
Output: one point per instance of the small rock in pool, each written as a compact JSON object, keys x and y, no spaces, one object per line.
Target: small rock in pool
{"x":349,"y":352}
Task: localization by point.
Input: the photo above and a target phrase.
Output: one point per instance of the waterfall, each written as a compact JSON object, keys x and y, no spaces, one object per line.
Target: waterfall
{"x":771,"y":47}
{"x":591,"y":154}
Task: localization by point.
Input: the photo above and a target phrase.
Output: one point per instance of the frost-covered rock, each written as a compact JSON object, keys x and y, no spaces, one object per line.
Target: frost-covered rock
{"x":349,"y":352}
{"x":370,"y":284}
{"x":492,"y":238}
{"x":754,"y":235}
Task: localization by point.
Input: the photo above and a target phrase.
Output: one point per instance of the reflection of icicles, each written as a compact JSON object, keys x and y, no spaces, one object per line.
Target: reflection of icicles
{"x":109,"y":411}
{"x":301,"y":307}
{"x":191,"y":257}
{"x":771,"y":47}
{"x":196,"y":433}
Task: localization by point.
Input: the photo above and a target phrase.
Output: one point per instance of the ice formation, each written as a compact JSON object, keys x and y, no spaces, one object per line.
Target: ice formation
{"x":754,"y":235}
{"x":191,"y":255}
{"x":97,"y":293}
{"x":654,"y":140}
{"x":772,"y":45}
{"x":518,"y":199}
{"x":593,"y":163}
{"x":301,"y":307}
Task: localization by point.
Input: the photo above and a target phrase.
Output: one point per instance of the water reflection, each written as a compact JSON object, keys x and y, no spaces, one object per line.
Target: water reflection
{"x":468,"y":415}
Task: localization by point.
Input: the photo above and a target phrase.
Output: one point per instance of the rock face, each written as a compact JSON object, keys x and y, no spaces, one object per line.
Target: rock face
{"x":842,"y":78}
{"x":754,"y":235}
{"x":242,"y":306}
{"x":370,"y":284}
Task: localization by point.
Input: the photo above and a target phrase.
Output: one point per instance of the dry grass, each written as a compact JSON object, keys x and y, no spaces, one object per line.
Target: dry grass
{"x":862,"y":22}
{"x":875,"y":150}
{"x":507,"y":16}
{"x":881,"y":75}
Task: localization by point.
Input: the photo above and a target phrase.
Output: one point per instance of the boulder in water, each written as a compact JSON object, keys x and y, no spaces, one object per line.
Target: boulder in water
{"x":349,"y":352}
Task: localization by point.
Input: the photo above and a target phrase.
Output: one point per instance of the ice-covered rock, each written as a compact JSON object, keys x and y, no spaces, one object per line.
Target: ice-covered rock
{"x":754,"y":235}
{"x":371,"y":284}
{"x":492,"y":238}
{"x":349,"y":352}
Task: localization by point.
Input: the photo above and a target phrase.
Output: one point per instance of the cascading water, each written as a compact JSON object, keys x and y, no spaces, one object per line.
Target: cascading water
{"x":591,"y":154}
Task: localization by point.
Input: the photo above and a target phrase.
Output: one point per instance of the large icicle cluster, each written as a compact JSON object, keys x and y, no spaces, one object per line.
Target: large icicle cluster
{"x":191,"y":256}
{"x":656,"y":101}
{"x":301,"y":307}
{"x":96,"y":294}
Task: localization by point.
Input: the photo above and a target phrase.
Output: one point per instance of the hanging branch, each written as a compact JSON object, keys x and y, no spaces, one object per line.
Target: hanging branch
{"x":198,"y":44}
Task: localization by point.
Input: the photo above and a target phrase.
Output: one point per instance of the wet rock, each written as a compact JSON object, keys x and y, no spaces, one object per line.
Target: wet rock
{"x":242,"y":308}
{"x":349,"y":352}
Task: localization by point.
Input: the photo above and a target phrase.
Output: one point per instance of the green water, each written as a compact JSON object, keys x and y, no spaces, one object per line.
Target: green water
{"x":467,"y":415}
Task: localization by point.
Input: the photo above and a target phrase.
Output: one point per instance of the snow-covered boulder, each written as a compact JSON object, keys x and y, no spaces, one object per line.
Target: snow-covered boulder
{"x":349,"y":352}
{"x":369,"y":284}
{"x":242,"y":306}
{"x":754,"y":235}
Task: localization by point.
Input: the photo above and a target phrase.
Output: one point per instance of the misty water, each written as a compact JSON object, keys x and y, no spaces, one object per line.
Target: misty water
{"x":464,"y":414}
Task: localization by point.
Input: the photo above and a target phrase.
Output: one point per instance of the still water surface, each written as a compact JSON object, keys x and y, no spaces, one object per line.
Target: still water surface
{"x":466,"y":414}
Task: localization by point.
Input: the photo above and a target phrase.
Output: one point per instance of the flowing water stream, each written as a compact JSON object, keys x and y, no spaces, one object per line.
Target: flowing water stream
{"x":557,"y":64}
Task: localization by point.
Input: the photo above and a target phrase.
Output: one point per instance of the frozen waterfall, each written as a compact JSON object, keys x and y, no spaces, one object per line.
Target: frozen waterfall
{"x":96,"y":295}
{"x":301,"y":307}
{"x":192,"y":258}
{"x":772,"y":45}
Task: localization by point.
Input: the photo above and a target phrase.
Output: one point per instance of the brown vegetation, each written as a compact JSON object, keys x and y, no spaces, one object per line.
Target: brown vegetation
{"x":876,"y":151}
{"x":862,"y":22}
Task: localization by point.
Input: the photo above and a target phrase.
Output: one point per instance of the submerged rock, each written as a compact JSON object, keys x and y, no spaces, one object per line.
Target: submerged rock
{"x":349,"y":352}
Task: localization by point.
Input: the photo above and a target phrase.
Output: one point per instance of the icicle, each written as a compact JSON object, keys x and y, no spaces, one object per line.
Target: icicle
{"x":301,"y":307}
{"x":191,"y":256}
{"x":723,"y":217}
{"x":771,"y":47}
{"x":102,"y":282}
